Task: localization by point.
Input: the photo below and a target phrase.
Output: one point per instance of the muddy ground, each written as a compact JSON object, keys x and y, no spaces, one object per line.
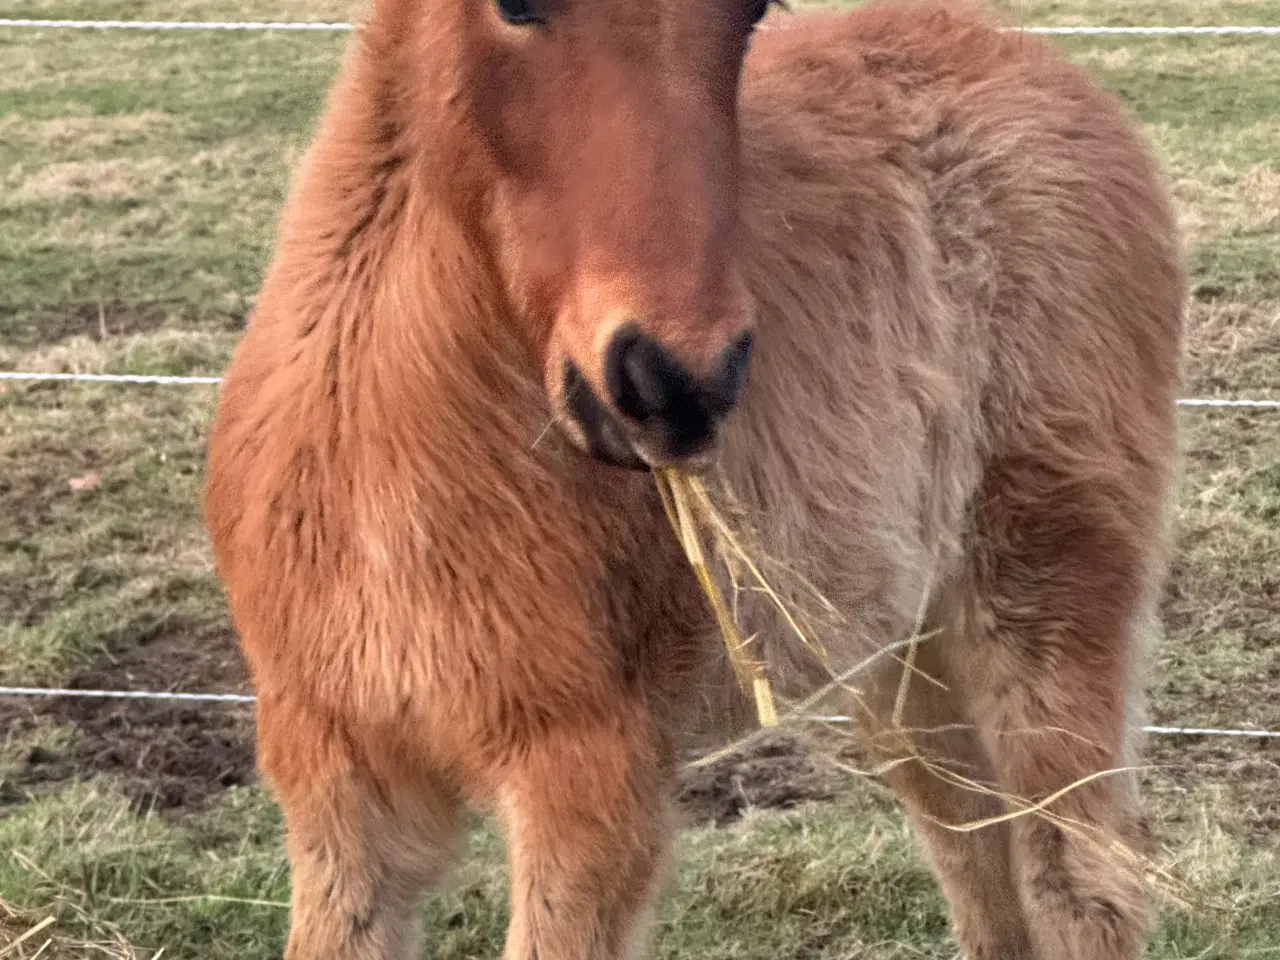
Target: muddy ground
{"x":169,"y":755}
{"x":176,"y":758}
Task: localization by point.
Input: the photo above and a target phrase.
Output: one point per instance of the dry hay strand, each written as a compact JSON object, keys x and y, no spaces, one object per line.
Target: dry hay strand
{"x":692,"y":514}
{"x":680,"y":499}
{"x":18,"y":937}
{"x":27,"y":935}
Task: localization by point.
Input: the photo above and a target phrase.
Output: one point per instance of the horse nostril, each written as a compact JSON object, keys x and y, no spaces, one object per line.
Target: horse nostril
{"x":656,"y":391}
{"x":645,"y":381}
{"x":642,"y":378}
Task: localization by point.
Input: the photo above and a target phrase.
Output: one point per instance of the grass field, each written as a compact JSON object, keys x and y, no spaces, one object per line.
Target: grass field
{"x":140,"y":175}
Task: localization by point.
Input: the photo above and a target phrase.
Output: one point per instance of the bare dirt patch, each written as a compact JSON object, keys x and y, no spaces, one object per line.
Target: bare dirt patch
{"x":168,"y":755}
{"x":776,"y":772}
{"x":97,"y":321}
{"x":101,"y":320}
{"x":179,"y":756}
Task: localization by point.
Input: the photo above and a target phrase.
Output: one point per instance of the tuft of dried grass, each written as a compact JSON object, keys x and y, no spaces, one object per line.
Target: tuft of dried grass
{"x":86,"y":133}
{"x":96,"y":178}
{"x":16,"y":930}
{"x":28,"y":936}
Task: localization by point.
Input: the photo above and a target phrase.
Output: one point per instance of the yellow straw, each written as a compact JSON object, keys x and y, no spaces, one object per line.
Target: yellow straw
{"x":750,"y":673}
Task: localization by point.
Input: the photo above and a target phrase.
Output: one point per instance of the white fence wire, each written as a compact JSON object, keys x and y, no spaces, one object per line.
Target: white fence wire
{"x":338,"y":27}
{"x":166,"y":380}
{"x":126,"y":694}
{"x":108,"y":378}
{"x":1159,"y":731}
{"x":173,"y":25}
{"x":245,"y":698}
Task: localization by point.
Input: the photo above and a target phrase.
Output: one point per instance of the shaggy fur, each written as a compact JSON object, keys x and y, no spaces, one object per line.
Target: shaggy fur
{"x":968,"y":304}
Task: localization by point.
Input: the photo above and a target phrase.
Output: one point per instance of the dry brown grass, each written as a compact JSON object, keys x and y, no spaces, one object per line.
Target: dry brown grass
{"x":96,"y":178}
{"x":70,"y":135}
{"x":27,"y":935}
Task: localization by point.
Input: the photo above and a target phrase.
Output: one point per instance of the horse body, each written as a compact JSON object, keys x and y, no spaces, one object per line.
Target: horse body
{"x":960,"y":275}
{"x":966,"y":302}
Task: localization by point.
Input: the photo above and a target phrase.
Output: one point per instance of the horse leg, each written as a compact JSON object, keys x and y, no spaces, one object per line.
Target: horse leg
{"x":972,"y":867}
{"x":588,"y":833}
{"x":361,"y":848}
{"x":1050,"y":666}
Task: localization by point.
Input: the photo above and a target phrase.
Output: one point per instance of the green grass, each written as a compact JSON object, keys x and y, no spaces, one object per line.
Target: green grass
{"x":140,"y":175}
{"x":827,"y":882}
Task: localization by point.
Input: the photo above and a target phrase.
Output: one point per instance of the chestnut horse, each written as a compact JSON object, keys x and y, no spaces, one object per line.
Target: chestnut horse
{"x":534,"y":250}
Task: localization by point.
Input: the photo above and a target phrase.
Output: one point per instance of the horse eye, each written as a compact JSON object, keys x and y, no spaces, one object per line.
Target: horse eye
{"x":518,"y":12}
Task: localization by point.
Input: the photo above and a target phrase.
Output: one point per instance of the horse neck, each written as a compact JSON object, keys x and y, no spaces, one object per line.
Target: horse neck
{"x":385,"y":282}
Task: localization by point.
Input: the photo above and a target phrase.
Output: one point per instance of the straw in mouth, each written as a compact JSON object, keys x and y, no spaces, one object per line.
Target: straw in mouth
{"x":681,"y":496}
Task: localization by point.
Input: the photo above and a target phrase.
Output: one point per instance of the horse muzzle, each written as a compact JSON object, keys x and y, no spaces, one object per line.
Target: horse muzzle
{"x":654,"y":412}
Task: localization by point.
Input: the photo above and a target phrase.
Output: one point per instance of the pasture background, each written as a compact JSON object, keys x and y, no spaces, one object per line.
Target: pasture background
{"x":140,"y":177}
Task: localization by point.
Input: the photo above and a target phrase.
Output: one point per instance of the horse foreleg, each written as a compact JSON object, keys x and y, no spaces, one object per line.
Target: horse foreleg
{"x":588,"y":833}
